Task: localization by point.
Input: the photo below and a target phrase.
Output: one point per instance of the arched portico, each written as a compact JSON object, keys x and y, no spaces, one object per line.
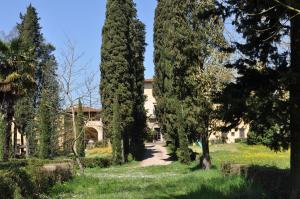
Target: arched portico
{"x":94,"y":130}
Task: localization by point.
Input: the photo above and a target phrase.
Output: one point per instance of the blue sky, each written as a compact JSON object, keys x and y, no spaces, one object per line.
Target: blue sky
{"x":81,"y":21}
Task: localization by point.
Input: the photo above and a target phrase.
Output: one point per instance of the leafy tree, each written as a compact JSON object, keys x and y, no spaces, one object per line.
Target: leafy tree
{"x":269,"y":74}
{"x":80,"y":143}
{"x":16,"y":80}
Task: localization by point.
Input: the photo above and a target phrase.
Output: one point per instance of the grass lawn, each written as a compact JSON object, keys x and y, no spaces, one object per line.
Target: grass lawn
{"x":175,"y":180}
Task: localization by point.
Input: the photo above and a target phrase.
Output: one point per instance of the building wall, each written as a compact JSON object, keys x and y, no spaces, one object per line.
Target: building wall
{"x":229,"y":137}
{"x":150,"y":100}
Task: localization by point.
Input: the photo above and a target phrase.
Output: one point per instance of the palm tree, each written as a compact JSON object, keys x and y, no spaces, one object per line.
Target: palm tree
{"x":16,"y":79}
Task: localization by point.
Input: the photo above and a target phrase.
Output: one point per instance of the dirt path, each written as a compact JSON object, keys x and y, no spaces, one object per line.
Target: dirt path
{"x":156,"y":154}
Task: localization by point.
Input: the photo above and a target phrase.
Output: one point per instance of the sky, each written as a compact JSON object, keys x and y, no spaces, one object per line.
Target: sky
{"x":79,"y":21}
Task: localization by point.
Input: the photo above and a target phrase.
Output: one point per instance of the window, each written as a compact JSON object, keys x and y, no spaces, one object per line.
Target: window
{"x":232,"y":133}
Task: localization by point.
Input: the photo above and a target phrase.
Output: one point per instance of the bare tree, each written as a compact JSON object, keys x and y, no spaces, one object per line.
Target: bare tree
{"x":73,"y":89}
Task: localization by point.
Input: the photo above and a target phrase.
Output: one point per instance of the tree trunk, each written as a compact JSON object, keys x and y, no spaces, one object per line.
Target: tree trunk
{"x":22,"y":143}
{"x":7,"y":140}
{"x":205,"y":161}
{"x":15,"y":144}
{"x":295,"y":108}
{"x":27,"y":147}
{"x":74,"y":143}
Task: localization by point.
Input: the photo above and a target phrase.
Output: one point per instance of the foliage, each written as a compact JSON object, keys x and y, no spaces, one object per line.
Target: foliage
{"x":184,"y":155}
{"x":45,"y":129}
{"x":80,"y":143}
{"x":117,"y":140}
{"x":100,"y":144}
{"x":16,"y":80}
{"x":2,"y":134}
{"x":122,"y":55}
{"x":188,"y":67}
{"x":26,"y":179}
{"x":268,"y":75}
{"x":101,"y":162}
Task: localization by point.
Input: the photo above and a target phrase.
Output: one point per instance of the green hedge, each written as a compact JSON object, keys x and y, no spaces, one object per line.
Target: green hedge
{"x":28,"y":178}
{"x":101,"y":162}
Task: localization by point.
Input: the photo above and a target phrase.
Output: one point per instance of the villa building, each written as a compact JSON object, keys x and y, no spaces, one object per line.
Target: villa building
{"x":94,"y":127}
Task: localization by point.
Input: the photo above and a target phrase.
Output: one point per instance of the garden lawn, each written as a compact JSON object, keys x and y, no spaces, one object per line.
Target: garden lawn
{"x":175,"y":180}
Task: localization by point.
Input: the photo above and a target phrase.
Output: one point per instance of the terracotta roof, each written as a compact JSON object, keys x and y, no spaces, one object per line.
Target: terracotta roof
{"x":148,"y":80}
{"x":86,"y":109}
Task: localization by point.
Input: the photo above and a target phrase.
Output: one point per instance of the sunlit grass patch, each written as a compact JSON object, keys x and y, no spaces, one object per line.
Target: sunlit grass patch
{"x":98,"y":152}
{"x":174,"y":180}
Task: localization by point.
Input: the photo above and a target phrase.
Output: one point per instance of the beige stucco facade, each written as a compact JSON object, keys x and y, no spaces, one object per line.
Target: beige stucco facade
{"x":94,"y":127}
{"x":229,"y":137}
{"x":150,"y":109}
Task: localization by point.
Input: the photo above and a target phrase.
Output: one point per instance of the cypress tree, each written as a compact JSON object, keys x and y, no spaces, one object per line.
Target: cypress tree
{"x":121,"y":69}
{"x":48,"y":109}
{"x":163,"y":78}
{"x":31,"y":38}
{"x":80,"y":143}
{"x":46,"y":85}
{"x":117,"y":141}
{"x":184,"y":42}
{"x":184,"y":155}
{"x":139,"y":112}
{"x":44,"y":127}
{"x":115,"y":66}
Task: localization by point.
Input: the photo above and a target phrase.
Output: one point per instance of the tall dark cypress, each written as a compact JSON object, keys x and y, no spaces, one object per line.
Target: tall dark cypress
{"x":117,"y":140}
{"x":121,"y":70}
{"x":44,"y":126}
{"x":46,"y":85}
{"x":115,"y":68}
{"x":163,"y":78}
{"x":80,"y":142}
{"x":31,"y":38}
{"x":50,"y":94}
{"x":139,"y":112}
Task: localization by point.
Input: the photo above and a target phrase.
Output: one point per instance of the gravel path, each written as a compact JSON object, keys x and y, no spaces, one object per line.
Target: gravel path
{"x":155,"y":154}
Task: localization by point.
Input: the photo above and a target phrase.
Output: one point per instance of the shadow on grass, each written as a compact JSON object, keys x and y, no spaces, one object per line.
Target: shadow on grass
{"x":272,"y":182}
{"x":275,"y":181}
{"x":197,"y":167}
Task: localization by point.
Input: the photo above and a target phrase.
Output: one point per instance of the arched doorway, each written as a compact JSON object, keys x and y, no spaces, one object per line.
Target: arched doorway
{"x":91,"y":136}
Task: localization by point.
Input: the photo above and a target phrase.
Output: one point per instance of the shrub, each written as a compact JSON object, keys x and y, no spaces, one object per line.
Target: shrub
{"x":101,"y":144}
{"x":7,"y":186}
{"x":50,"y":174}
{"x":27,"y":179}
{"x":254,"y":139}
{"x":101,"y":162}
{"x":14,"y":164}
{"x":240,"y":140}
